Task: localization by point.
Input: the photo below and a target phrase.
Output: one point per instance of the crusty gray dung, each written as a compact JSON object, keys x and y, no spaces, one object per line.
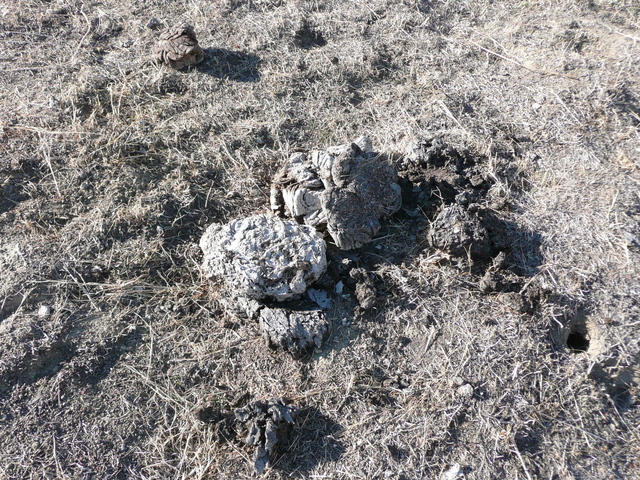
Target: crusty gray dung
{"x":297,"y":331}
{"x":265,"y":424}
{"x":348,"y":188}
{"x":178,"y":47}
{"x":263,"y":256}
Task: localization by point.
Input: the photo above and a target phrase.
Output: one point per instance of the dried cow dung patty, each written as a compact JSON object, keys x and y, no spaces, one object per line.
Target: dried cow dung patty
{"x":265,"y":425}
{"x":349,"y":188}
{"x":296,"y":331}
{"x":178,"y":47}
{"x":263,"y":256}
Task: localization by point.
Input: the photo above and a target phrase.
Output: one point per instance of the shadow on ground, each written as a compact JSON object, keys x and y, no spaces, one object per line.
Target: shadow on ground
{"x":231,"y":65}
{"x":316,"y":441}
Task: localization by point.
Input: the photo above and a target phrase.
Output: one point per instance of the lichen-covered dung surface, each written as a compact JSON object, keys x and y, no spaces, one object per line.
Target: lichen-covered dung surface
{"x":489,"y":329}
{"x":262,"y":256}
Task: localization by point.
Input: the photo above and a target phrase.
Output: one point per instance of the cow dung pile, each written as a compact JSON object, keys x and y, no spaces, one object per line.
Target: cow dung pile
{"x":265,"y":424}
{"x":347,"y":188}
{"x":263,"y":256}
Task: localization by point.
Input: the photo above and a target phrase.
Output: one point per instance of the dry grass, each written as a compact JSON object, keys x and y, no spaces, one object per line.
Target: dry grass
{"x":111,"y":167}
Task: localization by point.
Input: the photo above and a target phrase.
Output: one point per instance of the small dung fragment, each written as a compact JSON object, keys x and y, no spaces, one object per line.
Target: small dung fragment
{"x":296,"y":331}
{"x":178,"y":47}
{"x":365,"y":289}
{"x":460,"y":233}
{"x":320,"y":298}
{"x":349,"y":188}
{"x":265,"y":425}
{"x":263,"y":256}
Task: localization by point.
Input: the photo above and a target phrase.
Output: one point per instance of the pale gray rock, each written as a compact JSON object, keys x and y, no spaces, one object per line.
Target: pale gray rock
{"x":453,"y":473}
{"x":349,"y":188}
{"x":263,"y":256}
{"x":465,"y":391}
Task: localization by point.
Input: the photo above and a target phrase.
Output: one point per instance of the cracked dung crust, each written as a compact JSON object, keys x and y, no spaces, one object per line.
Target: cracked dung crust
{"x":348,"y":187}
{"x":178,"y":47}
{"x":264,"y":256}
{"x":298,"y":332}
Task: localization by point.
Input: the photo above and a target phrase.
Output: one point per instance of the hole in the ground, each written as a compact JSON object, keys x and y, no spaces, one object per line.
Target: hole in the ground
{"x":578,"y":341}
{"x":579,"y":333}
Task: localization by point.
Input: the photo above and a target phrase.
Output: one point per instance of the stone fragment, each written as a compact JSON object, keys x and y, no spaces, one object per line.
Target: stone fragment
{"x":296,"y":331}
{"x":265,"y":425}
{"x":465,"y":391}
{"x":263,"y":256}
{"x":349,"y":188}
{"x":178,"y":47}
{"x":453,"y":473}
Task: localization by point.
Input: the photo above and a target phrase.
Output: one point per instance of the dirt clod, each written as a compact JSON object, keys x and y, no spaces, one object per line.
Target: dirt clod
{"x":265,"y":425}
{"x":492,"y":282}
{"x":515,"y":301}
{"x":434,"y":151}
{"x":460,"y":233}
{"x":365,"y":289}
{"x":178,"y":47}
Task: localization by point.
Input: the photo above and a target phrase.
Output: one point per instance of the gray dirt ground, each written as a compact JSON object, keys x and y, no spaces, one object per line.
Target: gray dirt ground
{"x":111,"y":167}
